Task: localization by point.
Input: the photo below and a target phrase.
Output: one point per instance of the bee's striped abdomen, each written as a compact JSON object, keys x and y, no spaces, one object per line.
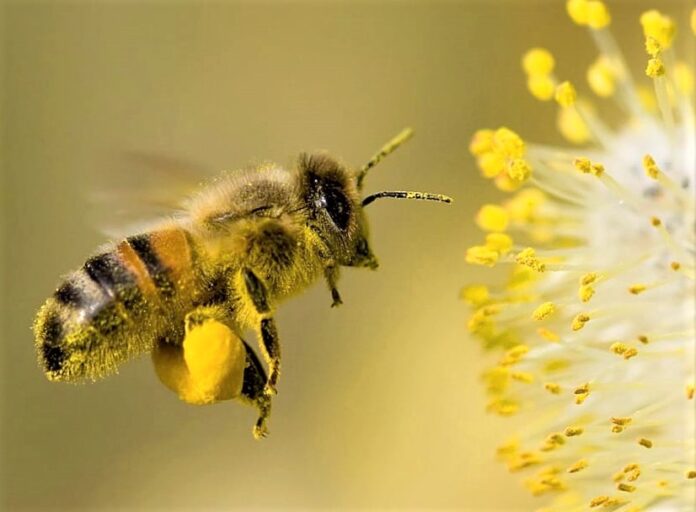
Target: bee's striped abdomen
{"x":115,"y":306}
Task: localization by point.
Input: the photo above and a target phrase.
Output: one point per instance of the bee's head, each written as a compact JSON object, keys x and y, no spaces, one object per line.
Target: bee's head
{"x":331,"y":194}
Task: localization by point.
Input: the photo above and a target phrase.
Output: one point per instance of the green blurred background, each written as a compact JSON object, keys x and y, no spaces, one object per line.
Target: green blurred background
{"x":379,"y":404}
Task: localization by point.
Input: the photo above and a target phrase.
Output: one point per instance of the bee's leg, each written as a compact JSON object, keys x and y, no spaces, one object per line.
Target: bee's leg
{"x":268,"y":333}
{"x":253,"y":391}
{"x":331,"y":276}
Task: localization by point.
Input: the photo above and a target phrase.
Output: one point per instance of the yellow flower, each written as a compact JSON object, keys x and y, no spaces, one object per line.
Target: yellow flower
{"x":595,"y":326}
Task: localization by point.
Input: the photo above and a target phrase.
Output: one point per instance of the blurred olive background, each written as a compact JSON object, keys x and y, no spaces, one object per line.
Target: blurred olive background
{"x":379,"y":404}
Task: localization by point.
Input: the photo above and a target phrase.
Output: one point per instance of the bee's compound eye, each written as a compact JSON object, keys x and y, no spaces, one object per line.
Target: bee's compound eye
{"x":337,"y":206}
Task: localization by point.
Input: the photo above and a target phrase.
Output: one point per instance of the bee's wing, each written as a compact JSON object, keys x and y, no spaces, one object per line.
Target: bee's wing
{"x":140,"y":188}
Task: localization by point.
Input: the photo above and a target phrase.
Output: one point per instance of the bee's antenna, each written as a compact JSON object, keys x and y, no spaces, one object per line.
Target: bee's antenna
{"x":400,"y":194}
{"x":390,"y":146}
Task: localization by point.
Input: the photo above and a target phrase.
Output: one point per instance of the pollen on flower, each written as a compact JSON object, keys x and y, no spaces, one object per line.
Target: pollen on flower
{"x":579,"y":321}
{"x":544,"y":311}
{"x":482,"y":255}
{"x":578,"y":241}
{"x":658,"y":26}
{"x":492,"y":217}
{"x":655,"y":67}
{"x":565,"y":94}
{"x":601,"y":77}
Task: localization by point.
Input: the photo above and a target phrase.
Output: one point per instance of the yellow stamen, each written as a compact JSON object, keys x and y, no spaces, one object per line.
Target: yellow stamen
{"x":621,"y":421}
{"x":544,"y":311}
{"x":508,"y":143}
{"x":589,"y":278}
{"x":528,"y":258}
{"x":565,"y":94}
{"x":482,"y":255}
{"x":659,"y":26}
{"x":475,"y":295}
{"x":524,"y":377}
{"x":643,"y":339}
{"x":573,"y":431}
{"x":655,"y":68}
{"x":542,"y":87}
{"x":675,"y":265}
{"x":481,"y":142}
{"x":651,"y":168}
{"x":519,"y":170}
{"x":652,"y":46}
{"x":585,"y":293}
{"x":578,"y":466}
{"x":492,"y":217}
{"x":572,"y":126}
{"x":637,"y":289}
{"x":579,"y":321}
{"x":499,"y":242}
{"x":599,"y":500}
{"x":689,"y":391}
{"x":548,"y":335}
{"x":491,"y":164}
{"x":684,"y":78}
{"x":645,"y":442}
{"x":691,"y":474}
{"x":553,"y":388}
{"x":601,"y":77}
{"x":538,"y":61}
{"x":577,"y":10}
{"x":626,"y":487}
{"x":597,"y":14}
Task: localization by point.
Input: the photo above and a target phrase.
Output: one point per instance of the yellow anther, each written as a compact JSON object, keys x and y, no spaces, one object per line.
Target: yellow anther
{"x":553,"y":388}
{"x":626,"y":487}
{"x":577,"y":10}
{"x":651,"y":168}
{"x":659,"y":26}
{"x":623,"y":421}
{"x":499,"y":242}
{"x":585,"y":293}
{"x":633,"y":475}
{"x":579,"y":399}
{"x":514,"y":355}
{"x":482,"y":255}
{"x":689,"y":391}
{"x":544,"y":311}
{"x":504,"y":182}
{"x":524,"y":205}
{"x":548,"y":335}
{"x":691,"y":474}
{"x":643,"y":339}
{"x":524,"y":377}
{"x":492,"y":217}
{"x":589,"y":278}
{"x":617,"y":429}
{"x":655,"y":67}
{"x":475,"y":295}
{"x":618,"y":476}
{"x":637,"y":289}
{"x":655,"y":221}
{"x":507,"y":449}
{"x":490,"y":164}
{"x":645,"y":442}
{"x":684,"y":78}
{"x":481,"y":142}
{"x":675,"y":265}
{"x":630,"y":467}
{"x":601,"y":77}
{"x":541,"y":87}
{"x":597,"y":169}
{"x":579,"y":321}
{"x":503,"y":407}
{"x":618,"y":348}
{"x":565,"y":94}
{"x":538,"y":61}
{"x":556,"y":439}
{"x":519,"y":170}
{"x":583,"y":164}
{"x":693,"y":21}
{"x":573,"y":431}
{"x":599,"y":500}
{"x":523,"y":460}
{"x":528,"y":258}
{"x":578,"y":466}
{"x":572,"y":126}
{"x":652,"y":46}
{"x":597,"y":14}
{"x":508,"y":143}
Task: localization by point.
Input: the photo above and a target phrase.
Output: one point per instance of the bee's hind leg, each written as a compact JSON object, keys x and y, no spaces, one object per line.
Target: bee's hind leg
{"x":253,"y":391}
{"x":331,"y":276}
{"x":268,"y":334}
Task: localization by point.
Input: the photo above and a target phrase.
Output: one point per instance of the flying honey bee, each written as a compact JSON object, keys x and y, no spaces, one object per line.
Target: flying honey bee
{"x":187,"y":290}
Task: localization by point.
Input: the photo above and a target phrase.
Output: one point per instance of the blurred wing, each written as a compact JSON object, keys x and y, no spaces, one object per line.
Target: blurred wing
{"x":140,"y":188}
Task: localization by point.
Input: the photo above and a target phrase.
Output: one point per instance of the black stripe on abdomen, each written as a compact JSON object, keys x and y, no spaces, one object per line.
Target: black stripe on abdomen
{"x":154,"y":266}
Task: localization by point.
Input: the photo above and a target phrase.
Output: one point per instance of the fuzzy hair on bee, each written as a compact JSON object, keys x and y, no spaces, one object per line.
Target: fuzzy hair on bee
{"x":189,"y":289}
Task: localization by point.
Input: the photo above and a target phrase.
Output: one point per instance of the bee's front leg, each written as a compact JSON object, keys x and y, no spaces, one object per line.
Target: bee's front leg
{"x":267,"y":333}
{"x":331,"y":276}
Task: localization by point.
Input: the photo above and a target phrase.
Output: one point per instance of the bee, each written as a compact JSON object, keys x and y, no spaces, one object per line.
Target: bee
{"x":187,"y":290}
